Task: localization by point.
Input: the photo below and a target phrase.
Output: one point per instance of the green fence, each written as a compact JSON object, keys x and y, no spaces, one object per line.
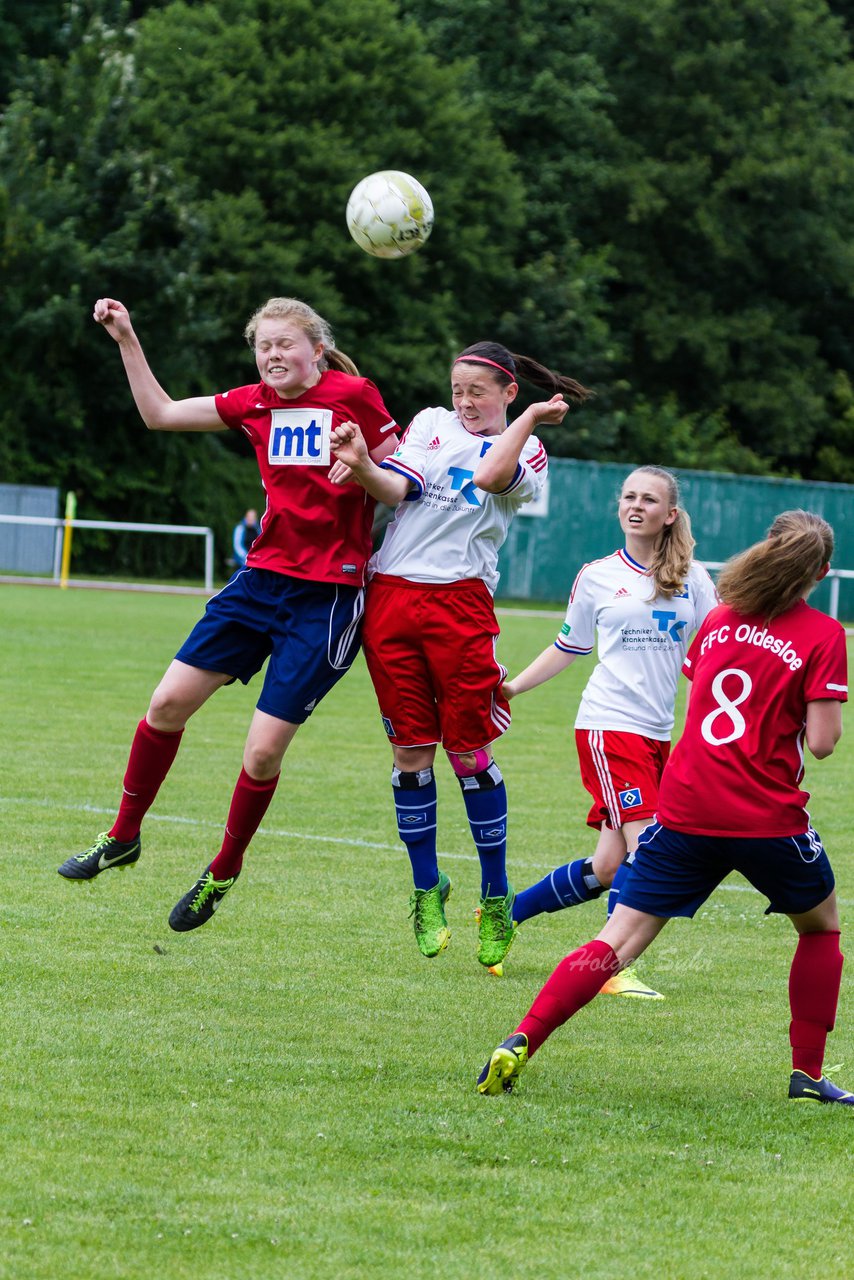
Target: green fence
{"x":544,"y":551}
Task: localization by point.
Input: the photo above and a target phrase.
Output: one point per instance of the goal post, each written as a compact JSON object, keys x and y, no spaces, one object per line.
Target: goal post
{"x":62,"y":542}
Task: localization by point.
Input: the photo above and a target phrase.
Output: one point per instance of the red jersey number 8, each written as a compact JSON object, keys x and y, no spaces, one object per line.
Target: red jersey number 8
{"x":727,"y":707}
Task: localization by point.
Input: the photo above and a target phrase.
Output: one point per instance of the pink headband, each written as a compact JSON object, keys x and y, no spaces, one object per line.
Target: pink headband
{"x":483,"y":360}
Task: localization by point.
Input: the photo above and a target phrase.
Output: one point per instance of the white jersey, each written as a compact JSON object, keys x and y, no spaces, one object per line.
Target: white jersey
{"x":642,"y":643}
{"x":446,"y":528}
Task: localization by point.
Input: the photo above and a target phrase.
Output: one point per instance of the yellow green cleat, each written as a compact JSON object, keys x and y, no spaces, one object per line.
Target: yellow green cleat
{"x":502,"y":1071}
{"x":496,"y":929}
{"x":627,"y":983}
{"x":427,"y":911}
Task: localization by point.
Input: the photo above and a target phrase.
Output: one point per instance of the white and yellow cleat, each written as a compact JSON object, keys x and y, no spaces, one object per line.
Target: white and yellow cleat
{"x":502,"y":1070}
{"x":627,"y":983}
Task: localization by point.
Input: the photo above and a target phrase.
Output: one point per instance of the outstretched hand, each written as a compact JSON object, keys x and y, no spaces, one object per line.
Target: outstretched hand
{"x":550,"y":411}
{"x":114,"y":316}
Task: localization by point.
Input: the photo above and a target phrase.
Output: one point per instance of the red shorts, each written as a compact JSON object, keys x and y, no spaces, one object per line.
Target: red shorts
{"x":430,"y":650}
{"x":622,"y":772}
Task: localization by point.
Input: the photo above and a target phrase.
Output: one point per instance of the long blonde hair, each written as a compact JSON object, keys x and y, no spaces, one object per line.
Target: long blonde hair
{"x":771,"y":576}
{"x":672,"y":558}
{"x":315,"y":328}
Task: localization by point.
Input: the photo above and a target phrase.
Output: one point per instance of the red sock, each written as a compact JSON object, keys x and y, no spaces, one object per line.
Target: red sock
{"x":574,"y":983}
{"x":151,"y":755}
{"x":249,"y":803}
{"x":813,"y":994}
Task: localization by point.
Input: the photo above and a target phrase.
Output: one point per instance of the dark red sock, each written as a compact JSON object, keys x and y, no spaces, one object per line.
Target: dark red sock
{"x":249,"y":803}
{"x":151,"y":755}
{"x":574,"y":983}
{"x":813,"y":995}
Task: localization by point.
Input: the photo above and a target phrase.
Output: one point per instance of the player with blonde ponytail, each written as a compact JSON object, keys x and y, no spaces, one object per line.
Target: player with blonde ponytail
{"x":643,"y":603}
{"x":768,"y":675}
{"x":297,"y":601}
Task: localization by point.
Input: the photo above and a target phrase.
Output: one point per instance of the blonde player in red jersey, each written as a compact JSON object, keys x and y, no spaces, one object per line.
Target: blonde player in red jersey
{"x":639,"y":606}
{"x":767,"y":673}
{"x":457,"y":479}
{"x":298,"y":600}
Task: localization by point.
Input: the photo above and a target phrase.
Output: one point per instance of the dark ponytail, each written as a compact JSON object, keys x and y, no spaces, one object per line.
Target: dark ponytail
{"x":507,"y":366}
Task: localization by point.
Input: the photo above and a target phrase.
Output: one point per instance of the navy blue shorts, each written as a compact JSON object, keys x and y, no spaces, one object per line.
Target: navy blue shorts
{"x":672,"y":873}
{"x":309,"y":630}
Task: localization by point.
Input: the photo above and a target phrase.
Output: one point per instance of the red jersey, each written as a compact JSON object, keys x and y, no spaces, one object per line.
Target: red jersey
{"x":311,"y":528}
{"x":737,"y":769}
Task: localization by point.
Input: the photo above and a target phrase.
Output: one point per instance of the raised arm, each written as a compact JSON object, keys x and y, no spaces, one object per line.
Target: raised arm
{"x":158,"y":411}
{"x":350,"y":447}
{"x":545,"y":666}
{"x":498,"y":466}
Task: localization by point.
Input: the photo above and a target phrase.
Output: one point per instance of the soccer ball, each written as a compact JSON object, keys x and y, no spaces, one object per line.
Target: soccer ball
{"x":389,"y":214}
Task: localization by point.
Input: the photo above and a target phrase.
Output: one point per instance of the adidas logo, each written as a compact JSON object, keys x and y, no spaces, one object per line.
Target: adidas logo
{"x":621,"y":592}
{"x":434,"y":443}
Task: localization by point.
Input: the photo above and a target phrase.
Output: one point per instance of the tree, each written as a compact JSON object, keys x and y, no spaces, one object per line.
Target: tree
{"x":195,"y":163}
{"x":699,"y":156}
{"x":298,"y":105}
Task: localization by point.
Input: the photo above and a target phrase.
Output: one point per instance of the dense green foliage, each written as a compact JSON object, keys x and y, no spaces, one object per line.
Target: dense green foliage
{"x":691,"y":163}
{"x":650,"y":195}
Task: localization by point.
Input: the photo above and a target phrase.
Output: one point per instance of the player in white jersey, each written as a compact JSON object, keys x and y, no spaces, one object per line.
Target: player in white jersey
{"x":457,"y":479}
{"x":643,"y":604}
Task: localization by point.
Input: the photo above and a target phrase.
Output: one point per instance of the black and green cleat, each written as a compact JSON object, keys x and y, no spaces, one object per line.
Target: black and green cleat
{"x":106,"y":854}
{"x":197,"y":906}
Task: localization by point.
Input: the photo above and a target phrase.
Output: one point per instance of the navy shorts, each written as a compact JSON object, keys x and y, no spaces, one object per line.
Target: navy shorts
{"x":672,"y":873}
{"x":309,"y":630}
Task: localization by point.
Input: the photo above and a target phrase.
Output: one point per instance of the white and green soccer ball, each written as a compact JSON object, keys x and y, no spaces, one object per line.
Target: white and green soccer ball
{"x":389,"y":214}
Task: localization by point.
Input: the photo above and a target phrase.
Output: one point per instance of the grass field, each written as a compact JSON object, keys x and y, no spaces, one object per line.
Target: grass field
{"x":289,"y":1091}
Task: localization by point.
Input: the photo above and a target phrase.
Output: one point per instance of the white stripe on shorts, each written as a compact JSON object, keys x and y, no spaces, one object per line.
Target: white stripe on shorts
{"x":596,"y":740}
{"x":345,"y":641}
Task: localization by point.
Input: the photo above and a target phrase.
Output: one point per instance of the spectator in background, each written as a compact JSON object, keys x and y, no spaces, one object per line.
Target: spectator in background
{"x":245,"y":533}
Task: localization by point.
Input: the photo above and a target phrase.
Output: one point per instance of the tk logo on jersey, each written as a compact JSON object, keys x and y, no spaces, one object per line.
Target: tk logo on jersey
{"x":664,"y":618}
{"x":462,"y":480}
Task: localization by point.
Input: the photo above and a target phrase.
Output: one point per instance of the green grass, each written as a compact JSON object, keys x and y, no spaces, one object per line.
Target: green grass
{"x":290,"y":1090}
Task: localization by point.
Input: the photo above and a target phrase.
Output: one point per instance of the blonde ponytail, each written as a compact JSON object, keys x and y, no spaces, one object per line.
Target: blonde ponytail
{"x":771,"y":576}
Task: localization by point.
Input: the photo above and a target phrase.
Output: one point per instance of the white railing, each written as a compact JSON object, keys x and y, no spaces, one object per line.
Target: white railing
{"x":834,"y":576}
{"x":60,"y":525}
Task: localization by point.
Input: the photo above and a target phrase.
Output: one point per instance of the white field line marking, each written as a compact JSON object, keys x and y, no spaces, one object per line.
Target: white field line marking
{"x":281,"y":833}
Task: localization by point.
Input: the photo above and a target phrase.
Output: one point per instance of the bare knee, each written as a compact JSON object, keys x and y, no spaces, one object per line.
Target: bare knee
{"x":606,"y":863}
{"x":262,"y":760}
{"x":168,"y":709}
{"x":413,"y":759}
{"x":266,"y":745}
